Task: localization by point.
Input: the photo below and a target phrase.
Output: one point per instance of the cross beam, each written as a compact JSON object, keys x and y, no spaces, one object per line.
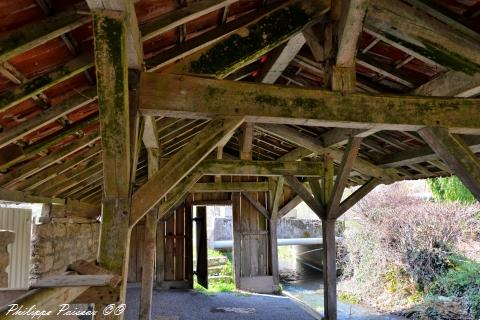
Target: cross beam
{"x":192,"y":97}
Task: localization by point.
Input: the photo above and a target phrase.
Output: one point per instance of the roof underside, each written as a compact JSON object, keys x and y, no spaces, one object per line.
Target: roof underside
{"x":30,"y":93}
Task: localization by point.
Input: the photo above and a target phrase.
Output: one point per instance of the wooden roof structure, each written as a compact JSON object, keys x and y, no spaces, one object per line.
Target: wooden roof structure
{"x":92,"y":92}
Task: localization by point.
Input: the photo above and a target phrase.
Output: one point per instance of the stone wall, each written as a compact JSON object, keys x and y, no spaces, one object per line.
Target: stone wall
{"x":6,"y":237}
{"x":56,"y":245}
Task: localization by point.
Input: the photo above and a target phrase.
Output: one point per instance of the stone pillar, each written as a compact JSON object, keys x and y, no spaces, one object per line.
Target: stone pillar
{"x":6,"y":237}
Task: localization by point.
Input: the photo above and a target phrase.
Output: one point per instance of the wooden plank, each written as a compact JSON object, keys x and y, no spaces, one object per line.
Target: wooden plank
{"x":181,"y":16}
{"x":180,"y":242}
{"x":317,"y":191}
{"x":277,"y":195}
{"x":257,"y":205}
{"x":75,"y":281}
{"x":453,"y":151}
{"x":351,"y":152}
{"x":356,"y":196}
{"x":180,"y":165}
{"x":74,"y":208}
{"x":306,"y":196}
{"x":112,"y":84}
{"x":246,"y":141}
{"x":39,"y":32}
{"x":237,"y":238}
{"x":184,"y":96}
{"x":160,"y":256}
{"x":169,"y":271}
{"x":103,"y":295}
{"x":260,"y":168}
{"x":189,"y":242}
{"x":423,"y":33}
{"x":262,"y":284}
{"x":150,"y":133}
{"x":230,"y":187}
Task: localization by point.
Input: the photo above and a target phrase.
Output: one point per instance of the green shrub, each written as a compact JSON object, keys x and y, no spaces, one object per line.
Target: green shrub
{"x":461,"y":280}
{"x":450,"y":189}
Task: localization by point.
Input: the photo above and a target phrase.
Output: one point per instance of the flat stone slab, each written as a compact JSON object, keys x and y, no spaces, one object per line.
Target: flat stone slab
{"x":193,"y":305}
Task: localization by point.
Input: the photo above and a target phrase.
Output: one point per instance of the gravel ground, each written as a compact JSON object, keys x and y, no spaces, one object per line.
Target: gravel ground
{"x":192,"y":305}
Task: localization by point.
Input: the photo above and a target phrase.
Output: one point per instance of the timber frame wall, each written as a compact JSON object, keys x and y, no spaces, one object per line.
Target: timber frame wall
{"x":130,"y":109}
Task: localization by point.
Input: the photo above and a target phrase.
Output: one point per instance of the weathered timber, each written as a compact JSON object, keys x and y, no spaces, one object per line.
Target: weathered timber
{"x":230,"y":187}
{"x":102,"y":295}
{"x":289,"y":206}
{"x":306,"y":196}
{"x":36,"y":165}
{"x":74,"y":281}
{"x":421,"y":32}
{"x":351,"y":152}
{"x":112,"y":82}
{"x":276,"y":197}
{"x":37,"y":33}
{"x":260,"y":168}
{"x":181,"y":164}
{"x":451,"y":84}
{"x":41,"y":83}
{"x":329,"y":269}
{"x":19,"y":196}
{"x":453,"y":151}
{"x":246,"y":141}
{"x":181,"y":16}
{"x":191,"y":97}
{"x":316,"y":189}
{"x":256,"y":204}
{"x":74,"y":103}
{"x":74,"y":208}
{"x":292,"y":135}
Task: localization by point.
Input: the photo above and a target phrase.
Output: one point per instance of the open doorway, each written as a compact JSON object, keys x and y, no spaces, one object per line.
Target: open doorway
{"x":212,"y":248}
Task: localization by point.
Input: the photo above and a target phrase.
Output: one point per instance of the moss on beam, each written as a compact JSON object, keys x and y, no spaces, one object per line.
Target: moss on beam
{"x":238,"y":50}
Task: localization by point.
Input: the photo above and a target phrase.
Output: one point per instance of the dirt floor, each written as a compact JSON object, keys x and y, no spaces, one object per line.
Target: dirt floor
{"x":193,"y":305}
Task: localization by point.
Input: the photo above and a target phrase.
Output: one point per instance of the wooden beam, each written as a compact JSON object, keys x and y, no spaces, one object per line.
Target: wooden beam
{"x":39,"y":32}
{"x":74,"y":103}
{"x":289,"y":206}
{"x":351,"y":152}
{"x":150,"y":133}
{"x":187,"y":97}
{"x":41,"y":83}
{"x":423,"y":33}
{"x":181,"y":16}
{"x":279,"y":61}
{"x":37,"y":165}
{"x":329,"y":269}
{"x":205,"y":40}
{"x":423,"y":154}
{"x":246,"y":141}
{"x":110,"y":33}
{"x":451,"y":84}
{"x":276,"y":197}
{"x":359,"y":194}
{"x":305,"y":195}
{"x":256,"y":204}
{"x":180,"y":165}
{"x":132,"y":33}
{"x":349,"y":28}
{"x":74,"y":281}
{"x":260,"y":168}
{"x":292,"y":135}
{"x":230,"y":187}
{"x":19,"y":197}
{"x":453,"y":151}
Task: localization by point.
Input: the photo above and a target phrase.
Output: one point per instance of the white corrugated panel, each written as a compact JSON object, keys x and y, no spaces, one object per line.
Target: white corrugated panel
{"x":19,"y":221}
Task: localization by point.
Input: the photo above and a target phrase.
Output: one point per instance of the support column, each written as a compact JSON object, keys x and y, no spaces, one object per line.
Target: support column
{"x":329,"y":269}
{"x":112,"y":83}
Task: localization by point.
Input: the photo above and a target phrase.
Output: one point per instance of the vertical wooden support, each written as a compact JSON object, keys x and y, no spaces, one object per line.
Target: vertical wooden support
{"x":188,"y":242}
{"x":329,"y":269}
{"x":237,"y":237}
{"x":148,"y":265}
{"x":272,"y":224}
{"x":112,"y":83}
{"x":459,"y":158}
{"x":246,"y":141}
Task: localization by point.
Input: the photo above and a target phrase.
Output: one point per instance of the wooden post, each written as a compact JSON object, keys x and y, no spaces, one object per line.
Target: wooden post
{"x":112,"y":74}
{"x":329,"y":269}
{"x":148,"y":268}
